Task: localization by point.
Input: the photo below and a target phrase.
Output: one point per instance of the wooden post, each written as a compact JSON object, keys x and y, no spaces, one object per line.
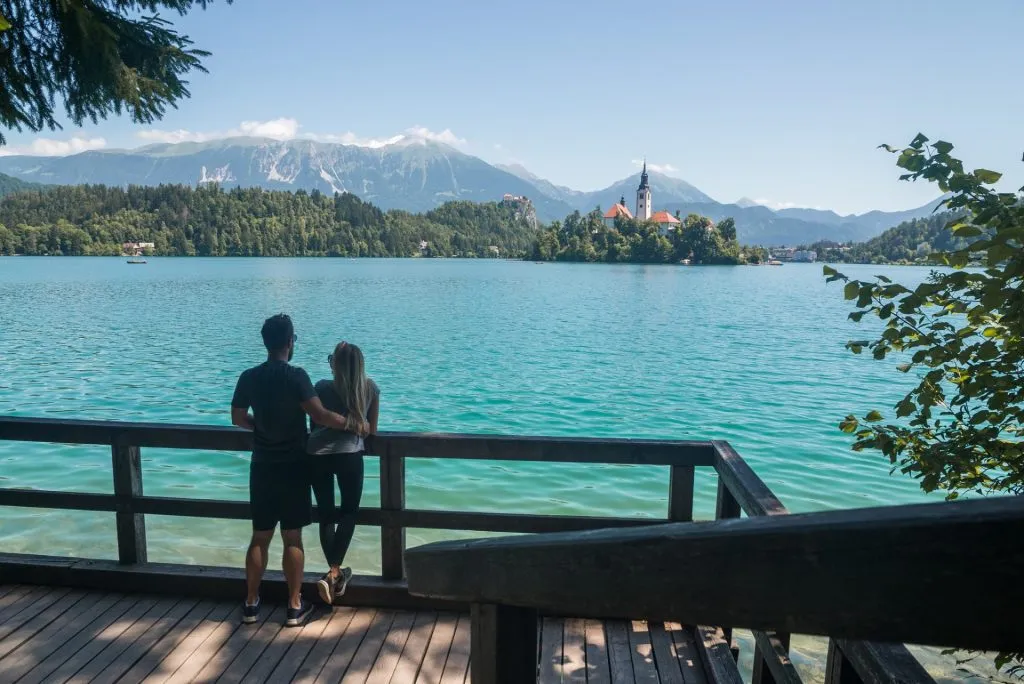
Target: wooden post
{"x":503,"y":644}
{"x":680,"y":493}
{"x":762,"y":674}
{"x":131,"y":526}
{"x":727,"y":506}
{"x":839,"y":670}
{"x":392,"y":498}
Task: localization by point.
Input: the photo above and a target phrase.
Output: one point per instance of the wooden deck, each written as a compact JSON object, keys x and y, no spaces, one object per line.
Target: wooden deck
{"x":50,"y":634}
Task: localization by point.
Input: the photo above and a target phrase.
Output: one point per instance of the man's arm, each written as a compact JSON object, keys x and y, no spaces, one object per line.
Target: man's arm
{"x":242,"y":418}
{"x":321,"y":416}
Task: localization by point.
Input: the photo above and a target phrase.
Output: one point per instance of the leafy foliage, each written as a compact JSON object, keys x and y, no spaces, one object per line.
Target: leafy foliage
{"x":911,"y":242}
{"x":207,"y":221}
{"x":588,"y":238}
{"x":962,"y":333}
{"x":101,"y":57}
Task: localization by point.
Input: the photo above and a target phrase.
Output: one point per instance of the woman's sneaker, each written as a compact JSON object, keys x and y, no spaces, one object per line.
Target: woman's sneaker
{"x":341,"y":582}
{"x":325,"y":587}
{"x":297,"y":616}
{"x":251,"y":614}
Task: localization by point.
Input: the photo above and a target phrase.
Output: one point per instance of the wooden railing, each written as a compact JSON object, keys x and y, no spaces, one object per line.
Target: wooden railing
{"x":739,"y":491}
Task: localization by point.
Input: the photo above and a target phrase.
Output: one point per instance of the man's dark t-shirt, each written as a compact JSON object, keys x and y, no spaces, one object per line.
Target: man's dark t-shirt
{"x":274,"y":390}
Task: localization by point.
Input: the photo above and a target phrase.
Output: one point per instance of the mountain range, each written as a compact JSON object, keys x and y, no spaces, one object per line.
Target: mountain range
{"x":416,"y":174}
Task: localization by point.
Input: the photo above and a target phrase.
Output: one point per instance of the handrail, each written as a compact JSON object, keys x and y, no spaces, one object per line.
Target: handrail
{"x":868,"y":573}
{"x":126,"y":439}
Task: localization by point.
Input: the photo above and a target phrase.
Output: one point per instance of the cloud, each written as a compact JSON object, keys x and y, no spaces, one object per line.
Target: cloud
{"x":289,"y":129}
{"x":280,"y":129}
{"x":48,"y":147}
{"x":656,"y":168}
{"x":772,"y":204}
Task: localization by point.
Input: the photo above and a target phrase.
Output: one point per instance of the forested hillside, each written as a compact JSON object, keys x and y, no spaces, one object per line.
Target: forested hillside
{"x":909,"y":242}
{"x":209,"y":221}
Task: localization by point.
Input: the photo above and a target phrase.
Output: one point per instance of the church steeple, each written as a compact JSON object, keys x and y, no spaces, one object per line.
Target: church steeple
{"x":643,"y":196}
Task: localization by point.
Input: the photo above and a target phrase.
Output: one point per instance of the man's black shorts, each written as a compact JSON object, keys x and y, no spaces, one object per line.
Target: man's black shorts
{"x":279,"y":492}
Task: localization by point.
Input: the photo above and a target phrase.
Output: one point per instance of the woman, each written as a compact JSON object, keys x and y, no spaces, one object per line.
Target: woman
{"x":339,"y":455}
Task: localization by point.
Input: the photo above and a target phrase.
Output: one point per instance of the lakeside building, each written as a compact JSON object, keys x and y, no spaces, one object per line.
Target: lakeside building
{"x":644,"y":210}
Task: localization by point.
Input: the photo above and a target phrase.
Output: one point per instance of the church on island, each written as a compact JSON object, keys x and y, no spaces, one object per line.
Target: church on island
{"x":665,"y":220}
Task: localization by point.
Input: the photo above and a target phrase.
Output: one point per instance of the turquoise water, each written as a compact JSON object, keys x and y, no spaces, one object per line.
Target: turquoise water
{"x":751,"y":355}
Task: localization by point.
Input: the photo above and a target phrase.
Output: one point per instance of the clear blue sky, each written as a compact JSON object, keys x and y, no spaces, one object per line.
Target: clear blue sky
{"x":780,"y":101}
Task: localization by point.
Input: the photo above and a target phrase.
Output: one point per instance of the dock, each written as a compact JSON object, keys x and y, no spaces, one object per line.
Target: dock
{"x":566,"y":599}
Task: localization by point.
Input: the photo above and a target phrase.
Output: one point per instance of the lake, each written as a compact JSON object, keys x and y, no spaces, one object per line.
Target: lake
{"x":753,"y":355}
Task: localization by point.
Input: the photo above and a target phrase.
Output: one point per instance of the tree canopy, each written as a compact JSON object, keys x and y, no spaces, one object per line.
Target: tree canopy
{"x":99,"y":57}
{"x":208,"y":221}
{"x":961,"y":334}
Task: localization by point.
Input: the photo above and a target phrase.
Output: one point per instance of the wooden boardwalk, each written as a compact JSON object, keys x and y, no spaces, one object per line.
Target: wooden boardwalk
{"x":50,"y":634}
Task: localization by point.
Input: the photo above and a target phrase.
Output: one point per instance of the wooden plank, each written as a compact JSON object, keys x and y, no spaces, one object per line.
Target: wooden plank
{"x":391,"y":651}
{"x":503,"y":644}
{"x":30,"y":606}
{"x":506,"y":522}
{"x":218,"y":662}
{"x":839,"y":670}
{"x":665,"y":656}
{"x":774,"y":653}
{"x":882,"y":662}
{"x":188,"y":654}
{"x":552,"y":640}
{"x":690,"y":663}
{"x":546,"y":449}
{"x":141,"y":628}
{"x":620,"y":657}
{"x":168,"y":642}
{"x":726,"y":505}
{"x":872,"y":553}
{"x":179,"y":580}
{"x":574,"y":654}
{"x":97,"y":636}
{"x":48,"y":640}
{"x":641,"y":652}
{"x":274,"y":651}
{"x":336,"y":627}
{"x":680,"y":493}
{"x":366,"y":655}
{"x":237,"y":670}
{"x":716,"y":656}
{"x":131,"y":525}
{"x":749,"y":490}
{"x":438,"y":649}
{"x":415,"y":648}
{"x":392,"y":498}
{"x":6,"y":589}
{"x":409,"y":445}
{"x":73,"y":501}
{"x":308,"y":637}
{"x":41,"y":620}
{"x":598,"y":671}
{"x":116,"y":659}
{"x":457,"y":665}
{"x":345,"y":650}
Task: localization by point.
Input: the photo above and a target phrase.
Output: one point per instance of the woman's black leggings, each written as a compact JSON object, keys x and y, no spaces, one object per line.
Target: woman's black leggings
{"x":337,"y":525}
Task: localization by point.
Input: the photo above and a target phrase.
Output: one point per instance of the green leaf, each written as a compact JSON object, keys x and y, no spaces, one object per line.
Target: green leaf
{"x":965,"y":230}
{"x":986,"y":176}
{"x":873,"y":417}
{"x":851,"y":290}
{"x":829,"y":271}
{"x":904,"y":367}
{"x":849,"y":426}
{"x":855,"y":316}
{"x":943,"y":147}
{"x":4,"y":24}
{"x":990,"y":332}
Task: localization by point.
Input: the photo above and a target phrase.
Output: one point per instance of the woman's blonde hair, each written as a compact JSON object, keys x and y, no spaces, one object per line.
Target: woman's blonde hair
{"x":350,"y":378}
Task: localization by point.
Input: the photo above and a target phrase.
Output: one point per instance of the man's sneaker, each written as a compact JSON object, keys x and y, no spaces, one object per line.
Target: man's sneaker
{"x":297,"y":616}
{"x":341,"y":582}
{"x":325,"y":587}
{"x":251,"y":614}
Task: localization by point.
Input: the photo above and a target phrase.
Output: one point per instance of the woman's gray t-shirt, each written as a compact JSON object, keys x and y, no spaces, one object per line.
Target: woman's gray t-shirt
{"x":325,"y":440}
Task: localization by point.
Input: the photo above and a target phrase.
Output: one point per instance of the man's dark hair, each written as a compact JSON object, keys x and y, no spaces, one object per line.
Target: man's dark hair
{"x":277,"y":332}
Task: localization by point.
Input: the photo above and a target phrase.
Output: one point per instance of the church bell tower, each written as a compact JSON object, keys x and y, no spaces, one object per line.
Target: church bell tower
{"x":643,"y":197}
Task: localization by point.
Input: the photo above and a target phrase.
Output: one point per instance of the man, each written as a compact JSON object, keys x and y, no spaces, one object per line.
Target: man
{"x":281,"y":396}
